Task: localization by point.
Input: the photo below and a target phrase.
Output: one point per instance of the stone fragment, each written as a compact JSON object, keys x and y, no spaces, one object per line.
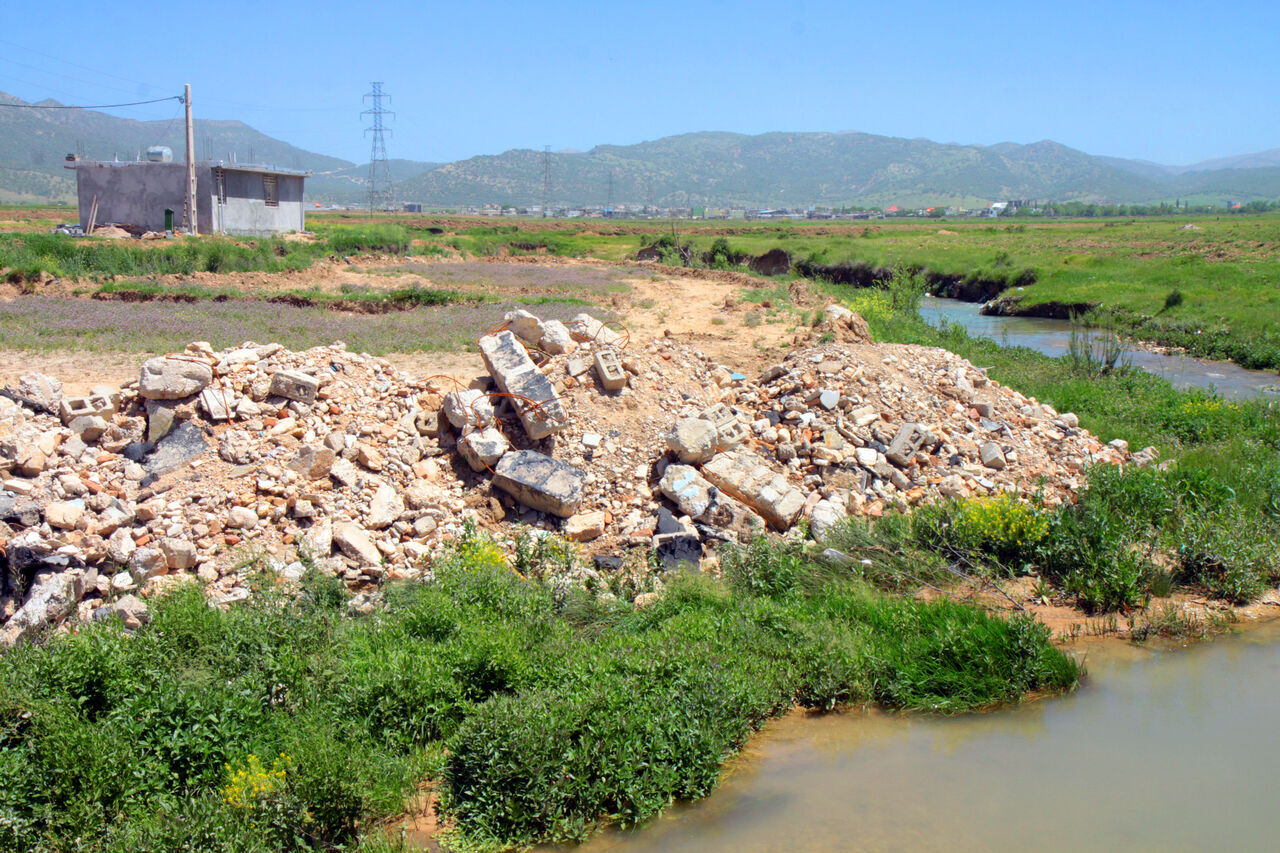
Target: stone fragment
{"x":178,"y":553}
{"x":745,"y":476}
{"x":242,"y":518}
{"x":312,"y":462}
{"x":585,"y":526}
{"x":147,"y":563}
{"x":828,"y":399}
{"x":427,"y":423}
{"x":29,"y":461}
{"x":693,"y":440}
{"x":385,"y":507}
{"x":469,"y":409}
{"x":984,"y":410}
{"x":130,"y":610}
{"x":160,"y":419}
{"x":370,"y":457}
{"x":576,"y":367}
{"x":991,"y":455}
{"x":826,"y":517}
{"x":540,"y":482}
{"x":318,"y":540}
{"x":533,"y":395}
{"x":609,"y":369}
{"x":294,"y":385}
{"x":482,"y":448}
{"x":52,"y":596}
{"x":172,"y":378}
{"x":120,"y":546}
{"x":355,"y":542}
{"x":64,"y":515}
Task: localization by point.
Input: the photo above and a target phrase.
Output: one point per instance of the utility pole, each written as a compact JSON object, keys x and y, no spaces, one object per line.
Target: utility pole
{"x":379,"y":174}
{"x":191,"y":165}
{"x":546,"y":179}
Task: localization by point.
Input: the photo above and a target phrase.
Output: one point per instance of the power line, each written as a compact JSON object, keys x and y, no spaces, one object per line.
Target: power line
{"x":177,"y":98}
{"x":380,"y":195}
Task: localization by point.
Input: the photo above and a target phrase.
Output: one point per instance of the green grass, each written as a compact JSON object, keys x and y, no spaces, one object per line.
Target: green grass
{"x":540,"y":714}
{"x":26,"y":256}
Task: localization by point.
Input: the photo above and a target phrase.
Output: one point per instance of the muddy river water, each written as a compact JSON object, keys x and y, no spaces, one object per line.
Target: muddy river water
{"x":1157,"y":750}
{"x":1052,"y":337}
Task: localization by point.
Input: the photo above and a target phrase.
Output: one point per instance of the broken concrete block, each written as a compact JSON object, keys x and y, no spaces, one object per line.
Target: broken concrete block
{"x":469,"y":409}
{"x":294,"y":385}
{"x":482,"y":448}
{"x":609,"y":369}
{"x":676,"y":550}
{"x":219,"y":403}
{"x":534,"y":397}
{"x":586,"y":328}
{"x":745,"y":476}
{"x":88,"y":427}
{"x":720,"y":415}
{"x":540,"y":482}
{"x":697,"y":498}
{"x":693,"y":440}
{"x":527,"y":327}
{"x":95,"y":405}
{"x":42,"y":389}
{"x":730,"y":435}
{"x":427,"y":423}
{"x":169,"y":378}
{"x":556,"y":338}
{"x":991,"y":455}
{"x":904,"y":445}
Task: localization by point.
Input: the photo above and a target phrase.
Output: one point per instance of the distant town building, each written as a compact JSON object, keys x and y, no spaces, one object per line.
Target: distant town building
{"x":149,"y":195}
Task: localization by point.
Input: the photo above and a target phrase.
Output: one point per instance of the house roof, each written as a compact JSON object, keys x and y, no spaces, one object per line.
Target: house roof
{"x":217,"y":164}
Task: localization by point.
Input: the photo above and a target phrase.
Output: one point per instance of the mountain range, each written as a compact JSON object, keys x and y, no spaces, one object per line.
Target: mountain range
{"x":694,"y":169}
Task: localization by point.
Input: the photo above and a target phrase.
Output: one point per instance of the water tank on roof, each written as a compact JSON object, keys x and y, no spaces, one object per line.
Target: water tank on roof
{"x":160,"y":154}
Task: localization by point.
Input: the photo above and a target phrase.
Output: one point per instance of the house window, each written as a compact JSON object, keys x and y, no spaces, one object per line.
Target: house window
{"x":269,"y":191}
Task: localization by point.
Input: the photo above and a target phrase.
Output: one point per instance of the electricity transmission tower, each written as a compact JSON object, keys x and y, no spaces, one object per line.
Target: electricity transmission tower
{"x":380,"y":197}
{"x":546,"y":179}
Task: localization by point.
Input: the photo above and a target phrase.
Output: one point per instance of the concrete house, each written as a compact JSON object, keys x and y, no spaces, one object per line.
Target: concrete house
{"x":245,"y":200}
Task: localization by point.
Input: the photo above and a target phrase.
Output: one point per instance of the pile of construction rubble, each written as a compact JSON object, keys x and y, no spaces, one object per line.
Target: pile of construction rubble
{"x":212,"y":461}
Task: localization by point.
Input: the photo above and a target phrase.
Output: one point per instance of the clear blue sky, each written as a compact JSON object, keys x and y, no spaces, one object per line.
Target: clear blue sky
{"x":1173,"y":82}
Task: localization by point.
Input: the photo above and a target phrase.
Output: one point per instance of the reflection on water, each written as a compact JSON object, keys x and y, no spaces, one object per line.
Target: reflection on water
{"x":1052,"y":337}
{"x":1156,"y":751}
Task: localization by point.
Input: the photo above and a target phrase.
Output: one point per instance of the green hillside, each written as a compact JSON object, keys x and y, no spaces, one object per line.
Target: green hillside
{"x":34,"y":144}
{"x":786,"y":169}
{"x":713,"y":168}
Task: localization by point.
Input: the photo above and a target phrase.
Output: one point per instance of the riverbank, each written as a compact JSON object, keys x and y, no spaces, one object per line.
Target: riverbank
{"x":868,"y":780}
{"x":285,"y":722}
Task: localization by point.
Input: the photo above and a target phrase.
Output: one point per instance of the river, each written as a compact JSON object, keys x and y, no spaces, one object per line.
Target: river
{"x":1158,"y":750}
{"x":1052,"y":337}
